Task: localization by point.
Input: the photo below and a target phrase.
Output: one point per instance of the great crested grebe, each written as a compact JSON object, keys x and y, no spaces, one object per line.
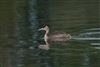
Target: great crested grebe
{"x":53,"y":37}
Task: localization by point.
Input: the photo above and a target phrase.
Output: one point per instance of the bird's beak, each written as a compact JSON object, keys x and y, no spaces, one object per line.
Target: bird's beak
{"x":40,"y":29}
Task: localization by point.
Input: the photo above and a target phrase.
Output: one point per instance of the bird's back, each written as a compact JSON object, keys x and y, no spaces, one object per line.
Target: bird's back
{"x":58,"y":37}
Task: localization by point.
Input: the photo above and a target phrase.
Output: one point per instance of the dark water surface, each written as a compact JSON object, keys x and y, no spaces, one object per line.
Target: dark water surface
{"x":19,"y":35}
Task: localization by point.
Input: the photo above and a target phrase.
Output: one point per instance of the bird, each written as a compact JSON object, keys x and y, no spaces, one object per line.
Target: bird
{"x":53,"y":37}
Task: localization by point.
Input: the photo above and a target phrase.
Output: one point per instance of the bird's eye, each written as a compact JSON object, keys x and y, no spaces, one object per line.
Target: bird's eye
{"x":44,"y":25}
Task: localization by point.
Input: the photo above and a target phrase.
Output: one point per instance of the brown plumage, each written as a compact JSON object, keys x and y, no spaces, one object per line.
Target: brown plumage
{"x":53,"y":37}
{"x":59,"y":37}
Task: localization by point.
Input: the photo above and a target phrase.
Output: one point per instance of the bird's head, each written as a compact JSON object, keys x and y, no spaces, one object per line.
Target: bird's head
{"x":44,"y":28}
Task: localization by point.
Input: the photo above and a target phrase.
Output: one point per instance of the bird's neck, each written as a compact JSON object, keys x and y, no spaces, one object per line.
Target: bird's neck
{"x":47,"y":31}
{"x":46,"y":36}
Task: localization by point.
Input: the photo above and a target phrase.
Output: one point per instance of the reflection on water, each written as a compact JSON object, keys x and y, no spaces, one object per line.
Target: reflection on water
{"x":89,"y":33}
{"x":95,"y":43}
{"x":88,"y":36}
{"x":93,"y":29}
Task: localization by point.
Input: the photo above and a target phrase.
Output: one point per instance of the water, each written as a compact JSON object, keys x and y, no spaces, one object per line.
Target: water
{"x":88,"y":36}
{"x":19,"y":40}
{"x":80,"y":20}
